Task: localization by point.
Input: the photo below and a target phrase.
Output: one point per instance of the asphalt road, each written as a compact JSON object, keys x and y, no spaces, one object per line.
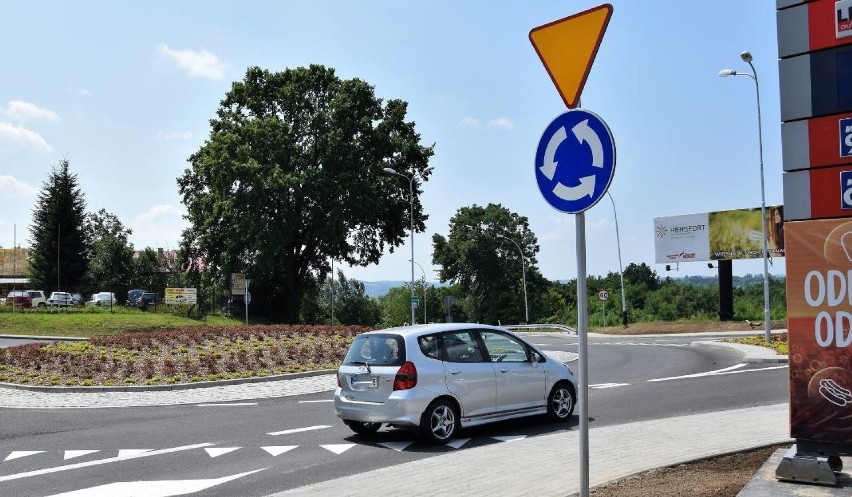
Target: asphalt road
{"x":270,"y":445}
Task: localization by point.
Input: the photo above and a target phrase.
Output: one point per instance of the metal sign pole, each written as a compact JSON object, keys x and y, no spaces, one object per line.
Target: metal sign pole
{"x":583,"y":350}
{"x":246,"y":297}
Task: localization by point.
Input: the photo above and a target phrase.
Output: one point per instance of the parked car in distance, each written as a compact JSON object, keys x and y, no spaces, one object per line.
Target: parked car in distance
{"x":19,"y":298}
{"x":76,"y":299}
{"x":441,"y":378}
{"x":62,"y":299}
{"x":133,"y":297}
{"x":148,"y":298}
{"x":103,"y":299}
{"x":38,"y":298}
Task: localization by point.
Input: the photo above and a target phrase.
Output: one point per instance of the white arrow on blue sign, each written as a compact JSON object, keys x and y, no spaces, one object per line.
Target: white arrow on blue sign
{"x":575,"y":161}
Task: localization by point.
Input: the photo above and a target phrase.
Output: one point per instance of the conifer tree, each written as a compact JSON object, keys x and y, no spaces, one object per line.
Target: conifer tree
{"x":58,"y":258}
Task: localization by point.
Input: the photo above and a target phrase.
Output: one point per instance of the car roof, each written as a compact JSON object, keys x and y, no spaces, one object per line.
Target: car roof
{"x":426,"y":329}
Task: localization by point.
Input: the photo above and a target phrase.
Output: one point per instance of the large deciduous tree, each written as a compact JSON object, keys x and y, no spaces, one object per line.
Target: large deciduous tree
{"x":291,"y":178}
{"x":58,"y":241}
{"x":110,"y":253}
{"x":488,"y":268}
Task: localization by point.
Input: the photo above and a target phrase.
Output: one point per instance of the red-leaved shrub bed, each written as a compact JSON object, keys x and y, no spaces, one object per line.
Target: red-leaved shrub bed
{"x":184,"y":355}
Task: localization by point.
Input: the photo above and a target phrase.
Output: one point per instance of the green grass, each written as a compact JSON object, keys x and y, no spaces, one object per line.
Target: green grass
{"x":779,"y":343}
{"x":90,"y":322}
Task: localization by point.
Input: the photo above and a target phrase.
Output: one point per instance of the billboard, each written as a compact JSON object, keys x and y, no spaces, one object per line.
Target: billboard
{"x":175,"y":296}
{"x":819,"y":321}
{"x":734,"y":234}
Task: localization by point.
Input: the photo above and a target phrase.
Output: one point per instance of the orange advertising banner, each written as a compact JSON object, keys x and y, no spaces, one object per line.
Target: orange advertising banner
{"x":819,"y":321}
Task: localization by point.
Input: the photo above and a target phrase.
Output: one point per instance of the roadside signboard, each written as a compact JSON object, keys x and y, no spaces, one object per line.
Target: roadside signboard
{"x":575,"y":161}
{"x":603,"y":295}
{"x":175,"y":296}
{"x":238,"y":284}
{"x":820,"y":329}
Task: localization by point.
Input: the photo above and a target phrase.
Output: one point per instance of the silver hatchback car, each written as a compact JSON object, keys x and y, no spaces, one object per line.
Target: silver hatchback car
{"x":442,"y":377}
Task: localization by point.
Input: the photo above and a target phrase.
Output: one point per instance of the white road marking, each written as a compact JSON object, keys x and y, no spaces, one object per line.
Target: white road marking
{"x":299,"y":430}
{"x":218,"y":451}
{"x":397,"y":446}
{"x":21,"y":453}
{"x":132,"y":452}
{"x":512,"y":438}
{"x":164,"y":488}
{"x":608,"y":385}
{"x":698,"y":375}
{"x":314,"y":401}
{"x":229,"y":405}
{"x":338,"y":448}
{"x":751,"y":370}
{"x":71,"y":454}
{"x":277,"y":450}
{"x":457,"y":443}
{"x":102,"y":461}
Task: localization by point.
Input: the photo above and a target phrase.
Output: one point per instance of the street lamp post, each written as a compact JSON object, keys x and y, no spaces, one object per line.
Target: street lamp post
{"x":747,"y":58}
{"x":410,"y":179}
{"x":524,"y":276}
{"x":620,"y":266}
{"x":424,"y":292}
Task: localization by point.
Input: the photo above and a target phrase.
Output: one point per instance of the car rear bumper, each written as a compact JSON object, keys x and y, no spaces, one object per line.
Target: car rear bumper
{"x":402,"y":408}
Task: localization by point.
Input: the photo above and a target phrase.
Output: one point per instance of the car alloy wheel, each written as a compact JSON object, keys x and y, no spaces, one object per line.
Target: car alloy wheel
{"x":560,"y":402}
{"x":438,"y":423}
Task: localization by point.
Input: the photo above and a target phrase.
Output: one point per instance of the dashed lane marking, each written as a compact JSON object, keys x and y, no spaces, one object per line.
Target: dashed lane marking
{"x":698,"y":375}
{"x":338,"y":448}
{"x":608,"y":385}
{"x":21,"y":453}
{"x":233,"y":404}
{"x":220,"y":451}
{"x":299,"y":430}
{"x":314,"y":401}
{"x":71,"y":454}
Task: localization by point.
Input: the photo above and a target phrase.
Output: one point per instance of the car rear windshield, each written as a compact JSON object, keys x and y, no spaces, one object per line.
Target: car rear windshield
{"x":378,"y":350}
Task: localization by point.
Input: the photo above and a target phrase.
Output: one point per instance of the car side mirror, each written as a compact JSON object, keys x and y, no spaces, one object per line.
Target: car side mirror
{"x":536,"y":357}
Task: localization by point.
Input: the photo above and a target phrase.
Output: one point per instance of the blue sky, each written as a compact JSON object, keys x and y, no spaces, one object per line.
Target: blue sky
{"x":124,"y":91}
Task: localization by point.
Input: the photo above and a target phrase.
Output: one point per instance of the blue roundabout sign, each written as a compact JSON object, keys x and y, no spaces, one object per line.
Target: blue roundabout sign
{"x":575,"y":161}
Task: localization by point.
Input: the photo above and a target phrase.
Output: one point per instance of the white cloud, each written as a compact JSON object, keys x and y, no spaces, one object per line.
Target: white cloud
{"x":11,"y":187}
{"x":160,"y":226}
{"x":175,"y":135}
{"x":501,"y":122}
{"x":16,"y":137}
{"x":20,"y":111}
{"x":196,"y":63}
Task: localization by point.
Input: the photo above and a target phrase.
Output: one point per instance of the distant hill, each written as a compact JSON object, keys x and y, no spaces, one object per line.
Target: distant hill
{"x":378,"y":288}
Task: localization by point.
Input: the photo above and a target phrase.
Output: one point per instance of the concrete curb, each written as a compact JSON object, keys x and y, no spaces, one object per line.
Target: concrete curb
{"x":52,"y":339}
{"x":750,"y":353}
{"x":167,"y":388}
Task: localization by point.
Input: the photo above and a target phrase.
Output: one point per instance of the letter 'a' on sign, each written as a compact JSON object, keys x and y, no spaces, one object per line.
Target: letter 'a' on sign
{"x":567,"y":48}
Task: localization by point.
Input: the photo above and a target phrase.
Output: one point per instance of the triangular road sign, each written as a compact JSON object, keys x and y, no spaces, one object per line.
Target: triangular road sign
{"x":567,"y":48}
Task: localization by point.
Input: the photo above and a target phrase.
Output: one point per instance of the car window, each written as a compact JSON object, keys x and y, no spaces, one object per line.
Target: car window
{"x":461,"y":346}
{"x":376,"y":350}
{"x":504,"y":348}
{"x":430,"y":346}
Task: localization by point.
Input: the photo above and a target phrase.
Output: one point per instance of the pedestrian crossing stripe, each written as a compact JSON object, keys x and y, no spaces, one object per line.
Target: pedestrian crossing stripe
{"x":273,"y":450}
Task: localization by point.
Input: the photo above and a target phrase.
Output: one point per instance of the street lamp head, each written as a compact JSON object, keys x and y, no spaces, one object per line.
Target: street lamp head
{"x":389,"y":170}
{"x":727,"y":72}
{"x":746,"y":56}
{"x":428,"y":170}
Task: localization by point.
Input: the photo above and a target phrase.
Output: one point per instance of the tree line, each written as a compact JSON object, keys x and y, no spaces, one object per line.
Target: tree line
{"x":302,"y":168}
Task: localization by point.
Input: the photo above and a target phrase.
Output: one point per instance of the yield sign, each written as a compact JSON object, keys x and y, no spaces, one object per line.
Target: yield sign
{"x":567,"y":48}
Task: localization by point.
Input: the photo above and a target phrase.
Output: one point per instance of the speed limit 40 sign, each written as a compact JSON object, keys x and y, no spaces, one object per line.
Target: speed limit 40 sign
{"x":603,"y":295}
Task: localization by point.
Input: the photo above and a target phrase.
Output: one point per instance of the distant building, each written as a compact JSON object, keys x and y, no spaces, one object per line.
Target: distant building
{"x":14,"y":266}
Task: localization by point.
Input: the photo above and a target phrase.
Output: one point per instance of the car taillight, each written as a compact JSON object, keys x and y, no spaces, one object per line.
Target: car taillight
{"x":339,"y":382}
{"x":406,"y":377}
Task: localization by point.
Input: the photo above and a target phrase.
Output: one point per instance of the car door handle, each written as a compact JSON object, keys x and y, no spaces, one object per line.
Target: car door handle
{"x":504,"y":370}
{"x":454,"y":372}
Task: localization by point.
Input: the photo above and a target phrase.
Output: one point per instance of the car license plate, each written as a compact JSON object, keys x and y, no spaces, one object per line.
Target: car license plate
{"x":364,"y":381}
